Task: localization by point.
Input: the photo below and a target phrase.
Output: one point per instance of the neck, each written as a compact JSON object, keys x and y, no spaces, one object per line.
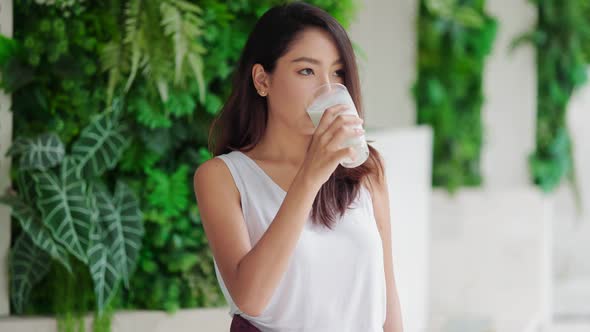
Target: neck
{"x":282,"y":144}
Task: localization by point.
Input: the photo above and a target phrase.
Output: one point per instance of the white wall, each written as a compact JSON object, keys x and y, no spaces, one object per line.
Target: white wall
{"x":5,"y":139}
{"x":510,"y":98}
{"x":578,"y":121}
{"x":490,"y":264}
{"x":572,"y":236}
{"x":385,"y":31}
{"x":407,"y":154}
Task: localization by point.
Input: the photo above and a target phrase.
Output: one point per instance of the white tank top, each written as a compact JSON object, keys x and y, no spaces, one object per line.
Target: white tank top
{"x":335,"y":280}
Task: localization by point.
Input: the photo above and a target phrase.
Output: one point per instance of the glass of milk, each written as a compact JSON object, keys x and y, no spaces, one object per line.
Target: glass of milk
{"x":328,"y":95}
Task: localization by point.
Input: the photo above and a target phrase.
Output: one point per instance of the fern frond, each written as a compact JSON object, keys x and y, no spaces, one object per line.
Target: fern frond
{"x":173,"y":27}
{"x":133,"y":37}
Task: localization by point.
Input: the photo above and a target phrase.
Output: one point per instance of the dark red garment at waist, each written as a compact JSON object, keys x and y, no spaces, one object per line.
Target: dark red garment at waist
{"x":240,"y":324}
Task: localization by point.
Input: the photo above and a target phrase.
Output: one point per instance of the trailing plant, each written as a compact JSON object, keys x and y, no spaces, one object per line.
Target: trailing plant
{"x":454,"y":39}
{"x":151,"y":30}
{"x":561,"y":37}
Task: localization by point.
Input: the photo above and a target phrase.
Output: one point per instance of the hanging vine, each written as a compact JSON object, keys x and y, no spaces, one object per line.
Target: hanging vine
{"x":454,"y":39}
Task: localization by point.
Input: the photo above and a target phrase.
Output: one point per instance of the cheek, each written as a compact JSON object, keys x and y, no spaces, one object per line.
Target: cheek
{"x":289,"y":100}
{"x":292,"y":94}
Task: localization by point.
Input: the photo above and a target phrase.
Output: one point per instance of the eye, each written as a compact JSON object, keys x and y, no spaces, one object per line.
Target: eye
{"x":306,"y":71}
{"x":339,"y":73}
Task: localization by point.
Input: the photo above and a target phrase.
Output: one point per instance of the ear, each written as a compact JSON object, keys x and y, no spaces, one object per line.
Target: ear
{"x":261,"y":79}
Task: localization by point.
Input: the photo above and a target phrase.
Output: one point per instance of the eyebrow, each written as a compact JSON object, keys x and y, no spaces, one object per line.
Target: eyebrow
{"x":314,"y":61}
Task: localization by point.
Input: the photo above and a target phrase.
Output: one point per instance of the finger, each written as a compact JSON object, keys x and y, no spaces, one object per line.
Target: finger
{"x":343,"y":120}
{"x":343,"y":134}
{"x":329,"y":116}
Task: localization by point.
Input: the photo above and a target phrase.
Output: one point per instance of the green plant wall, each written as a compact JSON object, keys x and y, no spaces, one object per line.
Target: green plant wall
{"x":169,"y":64}
{"x":454,"y":39}
{"x":562,"y":39}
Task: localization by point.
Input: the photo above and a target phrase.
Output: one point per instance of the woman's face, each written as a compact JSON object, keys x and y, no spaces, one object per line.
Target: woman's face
{"x":311,"y":60}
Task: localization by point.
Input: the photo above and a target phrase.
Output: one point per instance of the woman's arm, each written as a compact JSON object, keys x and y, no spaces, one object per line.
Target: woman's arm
{"x":380,"y":197}
{"x":251,"y":274}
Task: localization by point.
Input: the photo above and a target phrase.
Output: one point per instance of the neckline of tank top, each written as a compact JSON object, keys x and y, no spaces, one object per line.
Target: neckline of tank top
{"x":262,"y":172}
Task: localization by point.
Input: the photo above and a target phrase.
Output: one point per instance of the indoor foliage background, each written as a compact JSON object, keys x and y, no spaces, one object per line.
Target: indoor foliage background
{"x":166,"y":65}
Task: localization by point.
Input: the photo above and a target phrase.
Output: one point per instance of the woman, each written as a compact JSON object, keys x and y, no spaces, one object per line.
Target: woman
{"x":299,"y":242}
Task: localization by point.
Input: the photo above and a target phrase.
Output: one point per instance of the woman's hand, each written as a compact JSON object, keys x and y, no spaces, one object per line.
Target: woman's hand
{"x":325,"y":150}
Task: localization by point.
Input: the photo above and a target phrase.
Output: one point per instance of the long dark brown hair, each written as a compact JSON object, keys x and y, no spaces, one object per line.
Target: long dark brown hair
{"x":242,"y":120}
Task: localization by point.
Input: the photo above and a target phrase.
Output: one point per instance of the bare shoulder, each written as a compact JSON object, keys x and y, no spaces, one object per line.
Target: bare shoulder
{"x":211,"y":167}
{"x":214,"y":176}
{"x":214,"y":187}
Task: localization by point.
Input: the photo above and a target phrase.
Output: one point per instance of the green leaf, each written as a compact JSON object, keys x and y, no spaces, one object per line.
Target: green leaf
{"x":196,"y":64}
{"x":169,"y":192}
{"x":103,"y":268}
{"x":121,"y":222}
{"x":41,"y":153}
{"x":173,"y":27}
{"x":204,"y":155}
{"x":469,"y":17}
{"x":534,"y":37}
{"x":180,"y":104}
{"x":149,"y":115}
{"x":28,"y":265}
{"x":149,"y":266}
{"x":133,"y":38}
{"x":65,"y":207}
{"x":31,"y":224}
{"x":26,"y":188}
{"x":442,"y":8}
{"x":213,"y":104}
{"x":182,"y":262}
{"x":137,"y":158}
{"x":100,"y":146}
{"x":8,"y":48}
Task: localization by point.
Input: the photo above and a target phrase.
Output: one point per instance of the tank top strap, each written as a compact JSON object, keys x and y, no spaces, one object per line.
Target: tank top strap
{"x":237,"y":167}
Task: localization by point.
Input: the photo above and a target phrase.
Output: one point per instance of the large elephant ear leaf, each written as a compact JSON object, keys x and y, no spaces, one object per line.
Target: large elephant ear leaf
{"x":66,"y":208}
{"x":41,"y":153}
{"x":28,"y":265}
{"x":26,"y":188}
{"x":122,"y":222}
{"x":39,"y":234}
{"x":18,"y":146}
{"x":100,"y":145}
{"x":103,"y":268}
{"x":132,"y":230}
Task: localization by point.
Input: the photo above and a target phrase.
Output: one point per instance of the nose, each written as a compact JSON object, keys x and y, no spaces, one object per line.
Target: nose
{"x":326,"y":80}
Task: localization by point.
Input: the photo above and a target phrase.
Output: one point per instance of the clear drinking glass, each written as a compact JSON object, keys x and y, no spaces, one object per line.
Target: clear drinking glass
{"x":326,"y":96}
